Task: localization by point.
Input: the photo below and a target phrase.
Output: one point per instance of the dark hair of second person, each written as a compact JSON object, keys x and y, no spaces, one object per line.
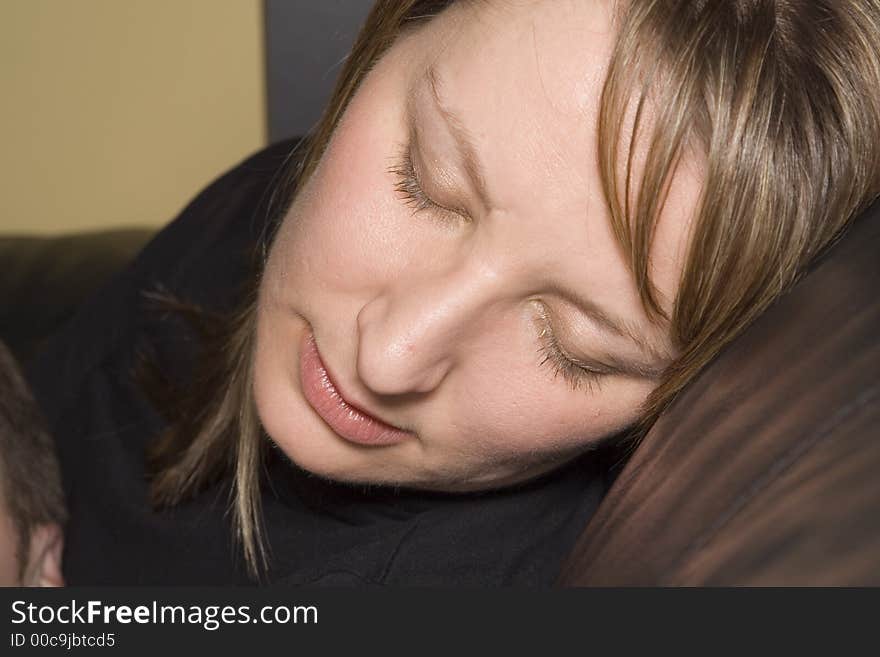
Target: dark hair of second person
{"x":32,"y":511}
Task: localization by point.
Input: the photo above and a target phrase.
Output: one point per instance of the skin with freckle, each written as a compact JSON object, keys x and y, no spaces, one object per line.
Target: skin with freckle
{"x":431,"y":320}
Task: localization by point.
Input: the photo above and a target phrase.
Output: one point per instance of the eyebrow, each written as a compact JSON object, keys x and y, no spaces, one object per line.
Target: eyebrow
{"x":607,"y":322}
{"x":462,"y":136}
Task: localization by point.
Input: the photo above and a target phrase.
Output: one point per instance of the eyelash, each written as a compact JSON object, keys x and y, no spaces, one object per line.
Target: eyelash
{"x":574,"y":374}
{"x":409,"y":188}
{"x":407,"y":185}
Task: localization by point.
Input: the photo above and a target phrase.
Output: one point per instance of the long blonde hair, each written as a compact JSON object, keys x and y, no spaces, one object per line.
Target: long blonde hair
{"x":782,"y":99}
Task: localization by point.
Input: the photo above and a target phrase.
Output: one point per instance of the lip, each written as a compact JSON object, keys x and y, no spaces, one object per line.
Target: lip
{"x":346,"y":420}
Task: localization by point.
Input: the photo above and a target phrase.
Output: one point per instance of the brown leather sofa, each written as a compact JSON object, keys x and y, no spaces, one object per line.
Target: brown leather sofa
{"x":765,"y":471}
{"x":44,"y":279}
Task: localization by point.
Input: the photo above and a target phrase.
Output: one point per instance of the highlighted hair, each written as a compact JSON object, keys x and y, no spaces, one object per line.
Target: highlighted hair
{"x":778,"y":98}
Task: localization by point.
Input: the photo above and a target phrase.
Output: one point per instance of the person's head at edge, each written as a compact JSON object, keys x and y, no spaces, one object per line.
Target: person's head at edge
{"x":32,"y":511}
{"x":523,"y":227}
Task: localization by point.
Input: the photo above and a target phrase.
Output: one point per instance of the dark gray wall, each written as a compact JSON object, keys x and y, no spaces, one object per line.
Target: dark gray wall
{"x":306,"y":41}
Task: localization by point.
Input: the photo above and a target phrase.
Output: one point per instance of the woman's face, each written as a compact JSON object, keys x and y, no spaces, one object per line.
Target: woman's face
{"x":450,"y":268}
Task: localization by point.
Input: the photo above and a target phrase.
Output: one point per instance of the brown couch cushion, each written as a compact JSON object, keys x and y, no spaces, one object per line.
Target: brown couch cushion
{"x":44,"y":279}
{"x":766,"y":471}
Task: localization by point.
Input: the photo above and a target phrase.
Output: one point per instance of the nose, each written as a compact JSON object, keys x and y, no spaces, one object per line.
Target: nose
{"x":410,"y":335}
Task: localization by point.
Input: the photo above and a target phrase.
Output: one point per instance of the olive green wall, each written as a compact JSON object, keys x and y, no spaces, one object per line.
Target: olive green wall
{"x":115,"y":112}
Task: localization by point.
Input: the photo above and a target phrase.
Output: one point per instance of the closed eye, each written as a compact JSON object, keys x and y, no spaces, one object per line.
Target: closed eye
{"x":575,"y":374}
{"x":410,"y":189}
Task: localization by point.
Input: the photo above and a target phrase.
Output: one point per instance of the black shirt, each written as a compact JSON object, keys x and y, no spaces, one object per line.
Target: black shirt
{"x":319,"y":532}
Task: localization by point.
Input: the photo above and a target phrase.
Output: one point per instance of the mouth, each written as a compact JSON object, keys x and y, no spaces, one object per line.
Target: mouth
{"x":346,"y":420}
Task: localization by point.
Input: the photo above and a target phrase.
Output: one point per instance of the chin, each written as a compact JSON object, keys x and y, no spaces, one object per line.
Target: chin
{"x":325,"y":455}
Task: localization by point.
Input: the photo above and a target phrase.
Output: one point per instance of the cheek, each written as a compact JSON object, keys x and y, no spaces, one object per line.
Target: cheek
{"x":521,"y":422}
{"x":347,"y":217}
{"x":337,"y":226}
{"x":347,"y":228}
{"x":522,"y":414}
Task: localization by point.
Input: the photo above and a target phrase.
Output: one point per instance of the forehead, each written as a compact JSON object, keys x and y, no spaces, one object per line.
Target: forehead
{"x":532,"y":71}
{"x":526,"y":78}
